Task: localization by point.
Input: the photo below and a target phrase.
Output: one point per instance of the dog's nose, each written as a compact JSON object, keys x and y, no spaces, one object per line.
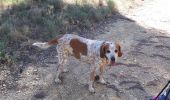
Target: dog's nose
{"x":113,"y":58}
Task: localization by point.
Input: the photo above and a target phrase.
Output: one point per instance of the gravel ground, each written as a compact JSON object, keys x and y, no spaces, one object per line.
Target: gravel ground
{"x":141,"y":72}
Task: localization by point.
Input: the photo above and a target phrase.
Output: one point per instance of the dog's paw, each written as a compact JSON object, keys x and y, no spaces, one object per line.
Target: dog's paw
{"x":102,"y":81}
{"x":91,"y":90}
{"x":57,"y":80}
{"x":65,"y":70}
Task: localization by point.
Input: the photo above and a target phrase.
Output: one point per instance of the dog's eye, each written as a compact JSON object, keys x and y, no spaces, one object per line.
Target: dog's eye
{"x":116,"y":51}
{"x":108,"y":51}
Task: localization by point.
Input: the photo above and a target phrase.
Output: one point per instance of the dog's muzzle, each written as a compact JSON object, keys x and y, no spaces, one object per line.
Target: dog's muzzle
{"x":112,"y":62}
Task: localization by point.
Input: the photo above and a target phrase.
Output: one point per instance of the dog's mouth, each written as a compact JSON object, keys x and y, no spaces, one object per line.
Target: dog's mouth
{"x":112,"y":63}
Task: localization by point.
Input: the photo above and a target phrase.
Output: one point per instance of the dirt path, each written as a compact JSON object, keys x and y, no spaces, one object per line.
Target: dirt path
{"x":153,"y":14}
{"x":140,"y":73}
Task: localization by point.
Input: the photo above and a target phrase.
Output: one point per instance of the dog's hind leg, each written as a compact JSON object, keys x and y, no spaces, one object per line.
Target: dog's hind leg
{"x":62,"y":59}
{"x":59,"y":69}
{"x":65,"y":60}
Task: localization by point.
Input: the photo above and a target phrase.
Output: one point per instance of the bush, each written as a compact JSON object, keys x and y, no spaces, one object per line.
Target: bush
{"x":111,"y":5}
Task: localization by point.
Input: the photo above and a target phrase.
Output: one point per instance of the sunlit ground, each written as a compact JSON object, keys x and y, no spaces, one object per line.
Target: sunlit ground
{"x":5,"y":4}
{"x":153,"y":14}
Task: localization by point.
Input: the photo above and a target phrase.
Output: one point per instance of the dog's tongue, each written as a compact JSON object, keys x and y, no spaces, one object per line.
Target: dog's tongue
{"x":112,"y":63}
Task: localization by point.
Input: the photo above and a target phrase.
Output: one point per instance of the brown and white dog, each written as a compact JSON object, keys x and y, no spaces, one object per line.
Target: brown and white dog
{"x":97,"y":53}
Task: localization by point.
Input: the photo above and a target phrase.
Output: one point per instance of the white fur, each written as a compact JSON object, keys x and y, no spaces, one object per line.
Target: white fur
{"x":42,"y":45}
{"x":112,"y":52}
{"x":102,"y":81}
{"x":91,"y":89}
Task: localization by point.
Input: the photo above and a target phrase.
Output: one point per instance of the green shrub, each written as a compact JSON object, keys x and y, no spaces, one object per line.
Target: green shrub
{"x":11,"y":2}
{"x":111,"y":5}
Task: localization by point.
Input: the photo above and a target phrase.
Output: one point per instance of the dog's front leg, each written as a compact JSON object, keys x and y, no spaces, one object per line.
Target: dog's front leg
{"x":101,"y":80}
{"x":100,"y":71}
{"x":91,"y":81}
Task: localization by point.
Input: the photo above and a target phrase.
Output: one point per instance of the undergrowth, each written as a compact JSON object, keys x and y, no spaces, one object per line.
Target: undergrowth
{"x":44,"y":19}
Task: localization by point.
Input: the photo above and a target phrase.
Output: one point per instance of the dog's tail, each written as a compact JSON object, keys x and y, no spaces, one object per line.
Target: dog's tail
{"x":45,"y":45}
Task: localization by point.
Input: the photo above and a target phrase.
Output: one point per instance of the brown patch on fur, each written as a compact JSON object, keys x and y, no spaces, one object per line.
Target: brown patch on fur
{"x":118,"y":49}
{"x":104,"y":47}
{"x":53,"y":41}
{"x":78,"y":47}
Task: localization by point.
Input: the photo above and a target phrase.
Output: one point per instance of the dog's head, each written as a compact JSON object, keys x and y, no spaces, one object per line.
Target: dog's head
{"x":110,"y":51}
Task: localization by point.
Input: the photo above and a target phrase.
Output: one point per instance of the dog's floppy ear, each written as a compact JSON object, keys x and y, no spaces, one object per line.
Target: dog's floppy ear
{"x":118,"y":47}
{"x":103,"y":48}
